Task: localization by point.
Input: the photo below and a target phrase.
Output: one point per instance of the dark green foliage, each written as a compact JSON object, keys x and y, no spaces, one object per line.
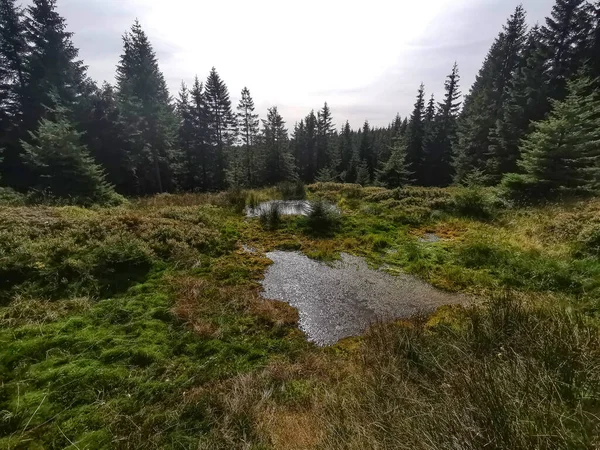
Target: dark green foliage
{"x":526,"y":102}
{"x":220,"y":126}
{"x":148,"y":118}
{"x":366,"y":154}
{"x":484,"y":104}
{"x":323,"y":218}
{"x":562,"y":154}
{"x":188,"y":172}
{"x":565,"y":36}
{"x":292,"y":191}
{"x":395,"y":173}
{"x":325,"y":175}
{"x":270,"y":216}
{"x":63,"y":168}
{"x":247,"y":163}
{"x":362,"y":174}
{"x":473,"y":202}
{"x":278,"y":161}
{"x":326,"y":156}
{"x":415,"y":135}
{"x":440,"y":133}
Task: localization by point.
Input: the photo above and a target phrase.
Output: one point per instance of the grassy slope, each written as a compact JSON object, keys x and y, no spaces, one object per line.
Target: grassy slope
{"x":142,"y":327}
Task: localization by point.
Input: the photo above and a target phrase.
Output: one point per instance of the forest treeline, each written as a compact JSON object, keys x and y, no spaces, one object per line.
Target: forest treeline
{"x":530,"y":123}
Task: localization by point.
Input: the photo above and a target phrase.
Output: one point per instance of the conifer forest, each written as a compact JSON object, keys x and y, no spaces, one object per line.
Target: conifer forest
{"x":179,"y":271}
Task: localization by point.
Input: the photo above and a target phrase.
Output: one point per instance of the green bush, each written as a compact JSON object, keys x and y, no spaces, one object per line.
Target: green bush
{"x":588,"y":241}
{"x":10,"y":197}
{"x":473,"y":202}
{"x":270,"y":216}
{"x":323,"y":218}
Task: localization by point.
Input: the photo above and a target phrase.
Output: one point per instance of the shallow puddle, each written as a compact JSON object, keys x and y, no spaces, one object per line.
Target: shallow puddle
{"x":343,"y":299}
{"x":286,"y":208}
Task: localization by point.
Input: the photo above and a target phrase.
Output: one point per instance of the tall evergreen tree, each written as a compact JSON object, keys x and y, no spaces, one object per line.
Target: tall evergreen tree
{"x":221,"y":124}
{"x":307,"y":156}
{"x":326,"y":156}
{"x":200,"y":145}
{"x":52,"y":65}
{"x":430,"y":110}
{"x":13,"y":50}
{"x":415,"y":135}
{"x":395,"y":173}
{"x":189,"y":164}
{"x":441,"y":133}
{"x":278,"y":163}
{"x":365,"y":151}
{"x":526,"y":102}
{"x":562,"y":154}
{"x":248,"y":129}
{"x":484,"y":104}
{"x":346,"y":151}
{"x":147,"y":114}
{"x":105,"y":135}
{"x":566,"y":35}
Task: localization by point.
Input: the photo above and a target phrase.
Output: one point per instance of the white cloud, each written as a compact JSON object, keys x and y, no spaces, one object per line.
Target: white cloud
{"x":365,"y":58}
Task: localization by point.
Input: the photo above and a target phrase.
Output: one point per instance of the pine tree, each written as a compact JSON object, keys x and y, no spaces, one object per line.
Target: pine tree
{"x":147,"y":114}
{"x":200,"y":147}
{"x":562,"y":154}
{"x":13,"y":49}
{"x":365,"y":151}
{"x":221,"y":125}
{"x":565,"y":36}
{"x":326,"y":156}
{"x":526,"y":102}
{"x":188,"y":171}
{"x":363,"y":177}
{"x":306,"y":158}
{"x":395,"y":172}
{"x":346,"y":150}
{"x":415,"y":135}
{"x":484,"y":104}
{"x":62,"y":166}
{"x":53,"y":70}
{"x":441,"y":133}
{"x":105,"y":136}
{"x":278,"y":164}
{"x":429,"y":111}
{"x":248,"y":128}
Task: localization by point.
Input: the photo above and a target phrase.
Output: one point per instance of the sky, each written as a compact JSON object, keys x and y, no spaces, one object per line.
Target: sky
{"x":365,"y":59}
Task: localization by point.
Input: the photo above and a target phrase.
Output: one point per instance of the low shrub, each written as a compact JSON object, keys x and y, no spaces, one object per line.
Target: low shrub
{"x":588,"y":241}
{"x":270,"y":216}
{"x":473,"y":202}
{"x":323,"y":218}
{"x":10,"y":197}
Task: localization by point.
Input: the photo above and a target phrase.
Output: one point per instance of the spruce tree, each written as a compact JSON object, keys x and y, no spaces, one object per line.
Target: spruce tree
{"x":200,"y":146}
{"x":346,"y":150}
{"x":221,"y":125}
{"x":562,"y":154}
{"x":105,"y":136}
{"x":326,"y":156}
{"x":365,"y":151}
{"x":307,"y":158}
{"x":429,"y":111}
{"x":278,"y":161}
{"x":53,"y":70}
{"x":565,"y":36}
{"x":248,"y":129}
{"x":484,"y":104}
{"x":441,"y":133}
{"x":395,"y":172}
{"x":363,"y":177}
{"x":526,"y":102}
{"x":147,"y":115}
{"x":62,"y":166}
{"x":189,"y":164}
{"x":415,"y":135}
{"x":13,"y":50}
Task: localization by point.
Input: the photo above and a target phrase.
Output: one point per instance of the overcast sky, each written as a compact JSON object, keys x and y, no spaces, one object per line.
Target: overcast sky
{"x":365,"y":58}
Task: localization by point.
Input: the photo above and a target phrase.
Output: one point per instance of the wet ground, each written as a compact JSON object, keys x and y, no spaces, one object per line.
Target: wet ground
{"x":286,"y":208}
{"x":343,"y":299}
